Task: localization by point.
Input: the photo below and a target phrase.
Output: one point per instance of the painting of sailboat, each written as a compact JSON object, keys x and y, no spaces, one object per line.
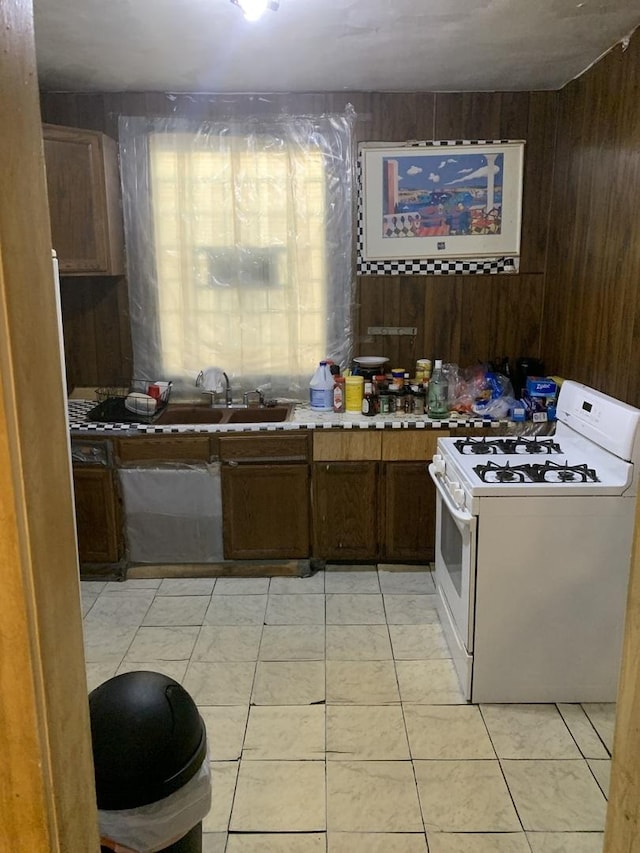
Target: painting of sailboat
{"x":449,"y":200}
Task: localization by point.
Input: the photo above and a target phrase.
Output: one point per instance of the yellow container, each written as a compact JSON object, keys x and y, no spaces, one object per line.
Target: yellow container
{"x":354,"y":392}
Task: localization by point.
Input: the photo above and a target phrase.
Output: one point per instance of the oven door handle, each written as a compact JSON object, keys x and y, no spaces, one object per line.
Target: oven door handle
{"x":461,"y":515}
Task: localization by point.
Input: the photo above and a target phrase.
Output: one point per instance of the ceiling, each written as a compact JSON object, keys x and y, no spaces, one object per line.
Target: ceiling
{"x":324,"y":45}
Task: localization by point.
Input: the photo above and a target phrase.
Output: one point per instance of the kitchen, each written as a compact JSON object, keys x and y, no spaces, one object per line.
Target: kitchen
{"x":582,"y":283}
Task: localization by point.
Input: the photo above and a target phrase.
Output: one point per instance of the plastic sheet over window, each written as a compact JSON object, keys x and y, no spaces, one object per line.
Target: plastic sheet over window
{"x":239,"y":244}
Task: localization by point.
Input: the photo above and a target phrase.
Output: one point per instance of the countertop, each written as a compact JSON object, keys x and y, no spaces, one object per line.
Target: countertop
{"x":303,"y":417}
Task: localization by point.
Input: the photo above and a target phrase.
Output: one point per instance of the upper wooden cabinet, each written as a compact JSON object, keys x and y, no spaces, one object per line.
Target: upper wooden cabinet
{"x":84,"y":201}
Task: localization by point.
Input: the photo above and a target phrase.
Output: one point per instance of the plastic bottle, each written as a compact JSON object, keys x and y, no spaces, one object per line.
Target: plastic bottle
{"x":437,"y":406}
{"x":354,"y":390}
{"x":321,"y":389}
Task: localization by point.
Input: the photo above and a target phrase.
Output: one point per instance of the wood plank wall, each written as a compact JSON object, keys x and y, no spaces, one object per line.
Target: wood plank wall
{"x":592,"y":303}
{"x":461,"y":319}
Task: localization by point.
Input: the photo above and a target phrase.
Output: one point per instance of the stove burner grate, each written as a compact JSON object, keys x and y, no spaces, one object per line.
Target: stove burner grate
{"x":549,"y":472}
{"x":505,"y":446}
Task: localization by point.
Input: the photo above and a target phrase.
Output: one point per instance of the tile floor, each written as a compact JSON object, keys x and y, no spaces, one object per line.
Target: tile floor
{"x":336,"y":724}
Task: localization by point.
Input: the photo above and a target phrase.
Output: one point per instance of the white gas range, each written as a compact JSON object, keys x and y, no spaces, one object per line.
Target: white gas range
{"x":533,"y":548}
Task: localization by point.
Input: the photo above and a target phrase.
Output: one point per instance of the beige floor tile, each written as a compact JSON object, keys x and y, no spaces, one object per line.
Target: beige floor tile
{"x":295,"y":610}
{"x":429,"y":682}
{"x":447,"y":732}
{"x":361,"y":683}
{"x":290,"y":732}
{"x":98,"y":673}
{"x":280,"y":796}
{"x":406,"y":580}
{"x":555,"y":795}
{"x":242,"y":586}
{"x":379,"y":842}
{"x":529,"y":731}
{"x":465,"y":796}
{"x":227,"y":643}
{"x":355,"y":579}
{"x":294,"y":586}
{"x":167,"y":643}
{"x":177,"y":610}
{"x":103,"y":643}
{"x":223,"y":785}
{"x":175,"y":669}
{"x":601,"y":769}
{"x":214,"y":842}
{"x":292,"y":642}
{"x":219,"y":683}
{"x":226,"y":726}
{"x":583,"y":732}
{"x":236,"y":609}
{"x":348,"y":609}
{"x":372,"y":796}
{"x":289,"y":683}
{"x":87,"y":600}
{"x":116,"y":609}
{"x":358,"y":642}
{"x":486,"y":842}
{"x":603,"y":717}
{"x":566,"y":842}
{"x":308,"y":842}
{"x":418,"y":642}
{"x":410,"y":609}
{"x":365,"y":733}
{"x":186,"y":586}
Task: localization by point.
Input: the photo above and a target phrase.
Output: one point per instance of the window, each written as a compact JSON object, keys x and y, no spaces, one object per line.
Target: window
{"x":239,"y":248}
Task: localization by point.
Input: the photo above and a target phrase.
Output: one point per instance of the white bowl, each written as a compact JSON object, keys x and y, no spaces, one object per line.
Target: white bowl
{"x":370,"y":360}
{"x":140,"y":404}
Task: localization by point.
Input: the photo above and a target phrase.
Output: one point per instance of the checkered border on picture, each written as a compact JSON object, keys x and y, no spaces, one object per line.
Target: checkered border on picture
{"x":429,"y":266}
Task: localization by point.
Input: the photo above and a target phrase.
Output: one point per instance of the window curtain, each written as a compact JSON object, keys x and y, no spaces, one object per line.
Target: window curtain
{"x":239,"y":248}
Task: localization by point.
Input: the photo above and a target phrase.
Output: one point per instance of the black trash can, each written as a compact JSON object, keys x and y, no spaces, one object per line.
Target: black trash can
{"x":149,"y":752}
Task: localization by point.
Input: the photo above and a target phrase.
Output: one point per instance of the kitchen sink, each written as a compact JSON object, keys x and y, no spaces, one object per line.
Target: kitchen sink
{"x":258,"y":415}
{"x":177,"y":413}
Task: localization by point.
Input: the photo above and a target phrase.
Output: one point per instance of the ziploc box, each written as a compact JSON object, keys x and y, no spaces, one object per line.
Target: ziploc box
{"x":541,"y":386}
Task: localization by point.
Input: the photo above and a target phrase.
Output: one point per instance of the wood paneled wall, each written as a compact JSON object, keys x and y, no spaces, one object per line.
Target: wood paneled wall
{"x":592,"y":305}
{"x":459,"y":318}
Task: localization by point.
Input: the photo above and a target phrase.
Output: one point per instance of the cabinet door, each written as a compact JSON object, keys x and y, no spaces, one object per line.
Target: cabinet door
{"x":97,"y":515}
{"x":345,"y":510}
{"x":84,"y":202}
{"x":265,"y":511}
{"x":410,"y":512}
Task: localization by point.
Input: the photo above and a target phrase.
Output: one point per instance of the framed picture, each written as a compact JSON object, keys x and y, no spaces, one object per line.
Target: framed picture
{"x":442,"y":200}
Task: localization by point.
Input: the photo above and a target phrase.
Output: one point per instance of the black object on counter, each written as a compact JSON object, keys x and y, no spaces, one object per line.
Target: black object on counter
{"x":526,"y":366}
{"x":148,"y":742}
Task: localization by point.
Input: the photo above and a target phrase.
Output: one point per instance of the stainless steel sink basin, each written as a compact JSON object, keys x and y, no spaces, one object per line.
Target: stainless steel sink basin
{"x":188,"y":413}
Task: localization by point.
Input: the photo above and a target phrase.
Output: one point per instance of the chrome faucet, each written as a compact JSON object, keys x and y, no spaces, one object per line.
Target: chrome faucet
{"x":228,"y":400}
{"x":247,"y":394}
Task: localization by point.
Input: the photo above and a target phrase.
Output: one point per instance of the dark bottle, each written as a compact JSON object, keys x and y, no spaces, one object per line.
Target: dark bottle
{"x":368,"y":400}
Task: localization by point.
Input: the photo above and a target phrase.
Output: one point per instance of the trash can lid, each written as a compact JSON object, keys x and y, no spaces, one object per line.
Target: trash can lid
{"x":148,"y":739}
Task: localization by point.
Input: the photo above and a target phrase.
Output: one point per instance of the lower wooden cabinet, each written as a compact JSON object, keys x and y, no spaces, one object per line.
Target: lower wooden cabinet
{"x":98,"y":518}
{"x":410,"y":512}
{"x":346,"y":514}
{"x":265,"y":511}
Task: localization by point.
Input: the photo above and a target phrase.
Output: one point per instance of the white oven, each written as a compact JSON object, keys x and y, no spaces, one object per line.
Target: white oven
{"x":533,"y":548}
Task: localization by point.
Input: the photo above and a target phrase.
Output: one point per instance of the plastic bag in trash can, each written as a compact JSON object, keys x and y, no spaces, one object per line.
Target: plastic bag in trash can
{"x":153,"y":827}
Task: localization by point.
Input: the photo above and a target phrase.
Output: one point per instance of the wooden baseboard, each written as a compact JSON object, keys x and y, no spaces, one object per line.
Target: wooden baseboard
{"x":234,"y":569}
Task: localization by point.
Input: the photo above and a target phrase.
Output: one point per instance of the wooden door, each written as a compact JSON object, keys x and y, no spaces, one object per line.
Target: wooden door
{"x":97,"y":515}
{"x":346,"y":516}
{"x":265,"y":511}
{"x":410,"y":512}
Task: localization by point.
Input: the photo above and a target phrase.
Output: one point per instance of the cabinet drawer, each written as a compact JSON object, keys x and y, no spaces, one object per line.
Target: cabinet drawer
{"x":164,"y":448}
{"x":410,"y":444}
{"x":292,"y":447}
{"x":347,"y":445}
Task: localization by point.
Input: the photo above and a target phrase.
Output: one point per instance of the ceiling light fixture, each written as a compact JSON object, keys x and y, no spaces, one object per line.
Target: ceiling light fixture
{"x":253,"y":9}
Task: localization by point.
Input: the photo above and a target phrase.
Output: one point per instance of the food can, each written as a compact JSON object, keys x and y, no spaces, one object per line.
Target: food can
{"x":354,"y":392}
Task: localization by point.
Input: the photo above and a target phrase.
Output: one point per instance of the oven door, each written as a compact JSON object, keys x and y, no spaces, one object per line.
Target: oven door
{"x":456,"y":533}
